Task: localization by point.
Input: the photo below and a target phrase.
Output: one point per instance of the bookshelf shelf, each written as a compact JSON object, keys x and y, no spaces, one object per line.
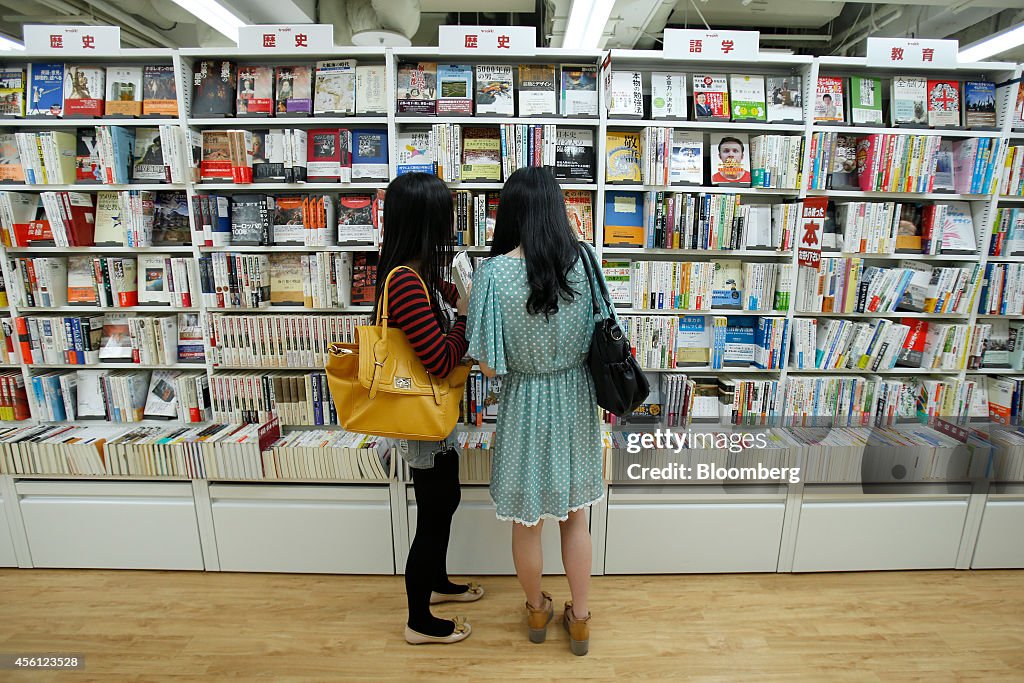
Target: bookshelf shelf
{"x":999,"y":316}
{"x":757,"y":126}
{"x":99,"y":250}
{"x":942,"y":132}
{"x":894,"y":314}
{"x":471,"y":185}
{"x":245,"y":249}
{"x":92,"y":187}
{"x":29,"y":310}
{"x":938,"y":196}
{"x":716,"y":371}
{"x":1006,"y":259}
{"x":858,"y":371}
{"x":705,"y":189}
{"x":901,"y":257}
{"x":290,"y":309}
{"x":48,"y":123}
{"x":994,"y":371}
{"x":682,"y":311}
{"x":710,"y":253}
{"x":116,"y":366}
{"x":1010,"y":199}
{"x":426,"y":120}
{"x":283,"y":122}
{"x":289,"y":187}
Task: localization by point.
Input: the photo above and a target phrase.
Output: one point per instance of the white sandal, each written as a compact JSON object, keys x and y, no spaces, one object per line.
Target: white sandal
{"x":461,"y":632}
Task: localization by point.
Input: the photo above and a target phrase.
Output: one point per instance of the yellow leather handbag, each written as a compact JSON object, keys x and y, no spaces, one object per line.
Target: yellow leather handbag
{"x":380,"y":387}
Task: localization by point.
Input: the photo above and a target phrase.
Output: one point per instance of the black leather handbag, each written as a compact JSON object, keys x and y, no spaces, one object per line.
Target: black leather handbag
{"x":620,"y":383}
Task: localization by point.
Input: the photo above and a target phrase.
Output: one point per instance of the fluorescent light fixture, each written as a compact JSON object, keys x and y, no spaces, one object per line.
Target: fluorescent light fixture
{"x":1000,"y":42}
{"x":8,"y":44}
{"x":587,"y":20}
{"x":214,"y":15}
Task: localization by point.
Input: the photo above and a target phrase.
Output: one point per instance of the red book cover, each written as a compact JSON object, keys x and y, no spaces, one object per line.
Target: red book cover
{"x":913,"y":345}
{"x":866,"y":162}
{"x":20,"y":398}
{"x":943,"y":103}
{"x":84,"y":92}
{"x":216,"y":160}
{"x":324,"y":156}
{"x":24,"y":339}
{"x":82,"y":224}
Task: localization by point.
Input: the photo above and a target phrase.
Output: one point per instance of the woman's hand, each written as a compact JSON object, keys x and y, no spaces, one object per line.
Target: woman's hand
{"x":462,"y":306}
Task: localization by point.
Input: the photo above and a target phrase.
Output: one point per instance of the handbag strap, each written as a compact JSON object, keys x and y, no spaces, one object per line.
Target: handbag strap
{"x":596,"y":283}
{"x":382,"y":310}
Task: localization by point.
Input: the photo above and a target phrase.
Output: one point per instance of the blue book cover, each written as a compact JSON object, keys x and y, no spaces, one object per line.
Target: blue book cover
{"x":124,"y":152}
{"x":739,"y":341}
{"x":416,"y":152}
{"x":979,"y":104}
{"x":623,"y":219}
{"x":370,"y":154}
{"x":45,"y":89}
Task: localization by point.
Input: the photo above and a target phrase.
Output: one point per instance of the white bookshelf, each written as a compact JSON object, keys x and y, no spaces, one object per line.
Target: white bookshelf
{"x":292,"y":525}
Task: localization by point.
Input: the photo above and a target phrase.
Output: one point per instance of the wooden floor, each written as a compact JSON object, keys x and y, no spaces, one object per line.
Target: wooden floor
{"x":144,"y":626}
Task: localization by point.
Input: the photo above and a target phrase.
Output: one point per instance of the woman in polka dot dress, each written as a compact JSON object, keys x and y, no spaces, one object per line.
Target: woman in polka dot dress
{"x":530,"y":320}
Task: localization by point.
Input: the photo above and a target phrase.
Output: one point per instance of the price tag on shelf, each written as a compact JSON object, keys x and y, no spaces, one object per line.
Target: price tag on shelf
{"x":72,"y":40}
{"x":694,"y":44}
{"x":917,"y":53}
{"x":811,"y":228}
{"x":512,"y":40}
{"x":291,"y":38}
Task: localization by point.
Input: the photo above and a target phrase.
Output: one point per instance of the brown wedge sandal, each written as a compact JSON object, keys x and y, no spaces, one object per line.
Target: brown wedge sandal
{"x":537,"y":619}
{"x":578,"y":630}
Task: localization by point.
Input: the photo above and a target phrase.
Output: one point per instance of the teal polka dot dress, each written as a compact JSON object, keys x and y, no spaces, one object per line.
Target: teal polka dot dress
{"x":547,"y":450}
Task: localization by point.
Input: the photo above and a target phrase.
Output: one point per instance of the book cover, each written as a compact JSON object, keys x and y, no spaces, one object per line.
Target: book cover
{"x":668,"y":95}
{"x":622,"y":161}
{"x":289,"y":221}
{"x":574,"y":154}
{"x":686,"y":166}
{"x":87,"y":157}
{"x":979,"y":104}
{"x":829,"y":100}
{"x":711,"y":97}
{"x":255,"y":93}
{"x":747,"y":97}
{"x":494,"y":90}
{"x":45,"y":89}
{"x":250,"y":219}
{"x":160,"y":94}
{"x":481,"y":154}
{"x":335,"y":91}
{"x":371,"y":98}
{"x":623,"y":219}
{"x":727,"y":284}
{"x":355,"y":219}
{"x":462,"y":273}
{"x":908,"y":103}
{"x":944,"y":174}
{"x":617,"y":277}
{"x":624,"y":94}
{"x":213,"y":88}
{"x":171,"y":219}
{"x":148,"y":158}
{"x":370,"y":154}
{"x":328,"y":152}
{"x":865,"y":100}
{"x":416,"y":89}
{"x":958,"y":234}
{"x":730,"y":162}
{"x":124,"y":92}
{"x":909,"y":237}
{"x":844,"y":164}
{"x":12,"y":92}
{"x":11,"y":169}
{"x":785,"y":98}
{"x":536,"y":90}
{"x":693,"y":342}
{"x":415,"y":152}
{"x":216,"y":160}
{"x":943,"y":103}
{"x":286,"y":281}
{"x":578,"y":90}
{"x":579,"y":207}
{"x":293,"y":90}
{"x":455,"y":89}
{"x":83,"y":91}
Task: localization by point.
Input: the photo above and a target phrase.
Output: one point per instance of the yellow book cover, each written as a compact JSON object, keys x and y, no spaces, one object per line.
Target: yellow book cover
{"x":623,"y":157}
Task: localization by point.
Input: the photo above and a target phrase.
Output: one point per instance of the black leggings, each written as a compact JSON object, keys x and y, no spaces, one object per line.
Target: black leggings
{"x":437,"y":497}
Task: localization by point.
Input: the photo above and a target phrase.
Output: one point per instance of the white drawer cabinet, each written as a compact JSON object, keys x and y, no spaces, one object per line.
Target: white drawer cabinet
{"x":7,"y":556}
{"x":685,"y":529}
{"x":338,"y":529}
{"x":111,"y":525}
{"x":1001,"y":537}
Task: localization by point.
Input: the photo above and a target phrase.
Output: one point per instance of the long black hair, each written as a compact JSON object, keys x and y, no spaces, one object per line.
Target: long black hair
{"x":531,"y":214}
{"x":417,"y":228}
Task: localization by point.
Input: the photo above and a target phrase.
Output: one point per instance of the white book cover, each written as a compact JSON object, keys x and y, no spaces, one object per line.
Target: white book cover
{"x":335,"y":91}
{"x":908,"y":101}
{"x":162,"y":396}
{"x":687,"y":162}
{"x":625,"y":94}
{"x":153,"y":279}
{"x":370,"y":92}
{"x":462,"y":273}
{"x":711,"y":97}
{"x":958,"y":234}
{"x":668,"y":95}
{"x":785,"y":98}
{"x":494,"y":90}
{"x":124,"y":91}
{"x":579,"y":89}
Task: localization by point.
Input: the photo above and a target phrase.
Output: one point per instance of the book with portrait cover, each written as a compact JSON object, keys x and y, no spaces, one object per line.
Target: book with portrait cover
{"x":12,"y":92}
{"x":416,"y":89}
{"x":255,"y":94}
{"x":830,"y":100}
{"x":83,"y":91}
{"x":730,"y":159}
{"x":213,"y":88}
{"x":159,"y":93}
{"x":293,"y":90}
{"x":710,"y":97}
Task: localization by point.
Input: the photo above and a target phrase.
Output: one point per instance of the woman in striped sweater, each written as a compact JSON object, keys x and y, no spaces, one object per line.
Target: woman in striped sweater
{"x":418,"y":238}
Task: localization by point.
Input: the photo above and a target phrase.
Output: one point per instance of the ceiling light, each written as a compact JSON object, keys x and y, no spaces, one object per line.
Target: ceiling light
{"x":214,"y":15}
{"x":1000,"y":42}
{"x":587,"y":20}
{"x":8,"y":44}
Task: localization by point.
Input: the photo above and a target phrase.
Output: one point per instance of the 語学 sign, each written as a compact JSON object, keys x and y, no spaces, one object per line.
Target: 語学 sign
{"x":732,"y":46}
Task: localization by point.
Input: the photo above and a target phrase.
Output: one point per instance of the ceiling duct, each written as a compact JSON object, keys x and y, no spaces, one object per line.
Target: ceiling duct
{"x":390,"y":23}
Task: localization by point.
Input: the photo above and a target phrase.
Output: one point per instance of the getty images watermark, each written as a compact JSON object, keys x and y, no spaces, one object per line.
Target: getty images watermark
{"x":733,"y":443}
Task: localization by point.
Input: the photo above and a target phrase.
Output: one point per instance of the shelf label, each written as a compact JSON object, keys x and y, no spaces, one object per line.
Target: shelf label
{"x":809,"y":249}
{"x":511,"y":40}
{"x":292,"y":38}
{"x":694,"y":44}
{"x":916,"y":53}
{"x":72,"y":40}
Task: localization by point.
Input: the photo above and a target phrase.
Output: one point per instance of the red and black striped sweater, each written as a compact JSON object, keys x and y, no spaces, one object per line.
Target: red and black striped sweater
{"x":409,"y":310}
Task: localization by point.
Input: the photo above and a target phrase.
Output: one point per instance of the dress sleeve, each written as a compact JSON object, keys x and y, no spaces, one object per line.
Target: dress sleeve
{"x":411,"y":312}
{"x":484,"y":324}
{"x":599,"y":281}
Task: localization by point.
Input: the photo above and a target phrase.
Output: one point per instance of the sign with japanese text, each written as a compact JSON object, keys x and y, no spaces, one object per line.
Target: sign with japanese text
{"x":291,"y":38}
{"x":916,"y":53}
{"x":687,"y":43}
{"x":494,"y":40}
{"x":811,"y":227}
{"x":68,"y":40}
